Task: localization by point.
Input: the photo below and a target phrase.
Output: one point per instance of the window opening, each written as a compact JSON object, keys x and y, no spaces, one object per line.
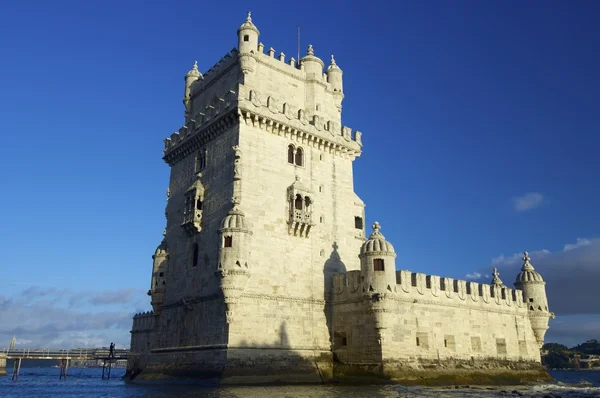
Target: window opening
{"x":246,"y":37}
{"x":298,"y":202}
{"x":195,"y":254}
{"x":358,"y":222}
{"x":378,"y":264}
{"x":299,"y":157}
{"x":291,"y":154}
{"x":228,"y":241}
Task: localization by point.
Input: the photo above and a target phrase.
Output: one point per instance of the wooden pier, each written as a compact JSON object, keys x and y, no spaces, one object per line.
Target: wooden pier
{"x":63,"y":356}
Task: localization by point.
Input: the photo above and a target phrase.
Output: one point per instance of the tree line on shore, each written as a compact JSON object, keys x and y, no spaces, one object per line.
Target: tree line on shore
{"x":582,"y":356}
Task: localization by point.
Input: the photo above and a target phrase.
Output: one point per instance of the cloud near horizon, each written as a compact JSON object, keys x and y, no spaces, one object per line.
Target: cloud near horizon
{"x":66,"y":318}
{"x":529,"y":201}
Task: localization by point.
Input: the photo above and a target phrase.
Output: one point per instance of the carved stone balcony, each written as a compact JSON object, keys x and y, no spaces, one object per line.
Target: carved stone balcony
{"x":300,"y":222}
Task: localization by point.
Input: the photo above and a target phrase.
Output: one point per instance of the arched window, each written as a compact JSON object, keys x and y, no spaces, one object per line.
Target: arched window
{"x":291,"y":154}
{"x":298,"y":202}
{"x":299,"y":157}
{"x":195,"y":255}
{"x":198,"y":204}
{"x":307,"y":202}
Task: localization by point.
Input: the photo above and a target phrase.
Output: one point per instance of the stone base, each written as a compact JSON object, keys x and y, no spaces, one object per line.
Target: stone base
{"x":490,"y":371}
{"x":233,"y":366}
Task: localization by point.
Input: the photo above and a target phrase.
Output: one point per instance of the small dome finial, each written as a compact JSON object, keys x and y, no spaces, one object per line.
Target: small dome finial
{"x":249,"y":17}
{"x":332,"y":60}
{"x":497,"y":281}
{"x":526,"y":262}
{"x":376,"y":226}
{"x":310,"y":50}
{"x":195,"y":67}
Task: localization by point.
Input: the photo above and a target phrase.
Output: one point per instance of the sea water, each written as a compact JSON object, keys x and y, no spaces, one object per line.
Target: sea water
{"x":44,"y":382}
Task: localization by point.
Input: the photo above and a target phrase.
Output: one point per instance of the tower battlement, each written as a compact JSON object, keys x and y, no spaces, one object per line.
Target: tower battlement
{"x":413,"y":287}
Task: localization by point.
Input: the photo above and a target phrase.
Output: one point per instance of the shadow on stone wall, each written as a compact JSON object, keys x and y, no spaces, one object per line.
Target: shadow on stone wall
{"x":332,"y":266}
{"x":277,"y":363}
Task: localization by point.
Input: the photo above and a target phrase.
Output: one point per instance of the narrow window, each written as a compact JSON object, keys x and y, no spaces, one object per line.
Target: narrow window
{"x":358,"y":222}
{"x":501,"y":346}
{"x":291,"y":154}
{"x":299,"y":157}
{"x":321,"y":157}
{"x":321,"y":219}
{"x":531,"y":300}
{"x":418,"y":342}
{"x":298,"y":202}
{"x":445,"y":343}
{"x":161,"y":274}
{"x":200,"y":160}
{"x":378,"y":264}
{"x":198,"y":204}
{"x":195,"y":255}
{"x":307,"y":202}
{"x":228,"y":242}
{"x":246,"y":37}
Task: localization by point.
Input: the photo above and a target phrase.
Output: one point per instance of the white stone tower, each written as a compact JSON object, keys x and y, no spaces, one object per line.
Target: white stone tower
{"x":534,"y":296}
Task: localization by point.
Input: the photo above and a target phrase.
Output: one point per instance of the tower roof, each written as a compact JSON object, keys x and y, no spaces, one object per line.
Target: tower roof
{"x":333,"y":66}
{"x":248,"y":24}
{"x":235,"y":219}
{"x":310,"y":56}
{"x":528,"y":273}
{"x":194,"y":72}
{"x":377,"y":243}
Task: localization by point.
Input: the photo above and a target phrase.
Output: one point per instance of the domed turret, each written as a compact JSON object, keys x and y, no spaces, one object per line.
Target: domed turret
{"x":378,"y":264}
{"x":313,"y":66}
{"x":534,"y":296}
{"x":192,"y":76}
{"x":334,"y":76}
{"x":159,"y":268}
{"x":234,"y":261}
{"x":247,"y":44}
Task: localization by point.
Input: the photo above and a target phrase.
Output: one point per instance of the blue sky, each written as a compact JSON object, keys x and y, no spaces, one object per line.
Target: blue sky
{"x":480,"y":125}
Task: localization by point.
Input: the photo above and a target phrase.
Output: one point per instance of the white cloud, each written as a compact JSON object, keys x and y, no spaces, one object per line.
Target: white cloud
{"x":580,"y":242}
{"x":529,"y":201}
{"x":474,"y":276}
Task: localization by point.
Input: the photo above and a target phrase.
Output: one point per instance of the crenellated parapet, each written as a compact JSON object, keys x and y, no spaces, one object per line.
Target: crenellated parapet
{"x":214,"y":74}
{"x":415,"y":287}
{"x":279,"y":117}
{"x":143,"y":322}
{"x":208,"y":121}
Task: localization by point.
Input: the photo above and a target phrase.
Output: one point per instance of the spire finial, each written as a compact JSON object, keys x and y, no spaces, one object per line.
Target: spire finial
{"x":236,"y":202}
{"x":310,"y":50}
{"x":526,"y":262}
{"x":195,"y":67}
{"x":497,"y":281}
{"x":332,"y":60}
{"x":249,"y":17}
{"x":376,"y":227}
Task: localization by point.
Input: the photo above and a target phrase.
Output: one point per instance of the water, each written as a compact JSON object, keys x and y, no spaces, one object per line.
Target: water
{"x":43,"y":382}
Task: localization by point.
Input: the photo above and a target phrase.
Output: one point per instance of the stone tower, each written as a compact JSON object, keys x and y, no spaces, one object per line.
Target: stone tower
{"x":261,"y":213}
{"x":534,"y":296}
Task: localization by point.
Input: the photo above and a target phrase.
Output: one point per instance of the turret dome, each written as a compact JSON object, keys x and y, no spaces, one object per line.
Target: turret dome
{"x":194,"y":72}
{"x":162,"y":249}
{"x":248,"y":24}
{"x":235,"y":219}
{"x":528,"y":273}
{"x":377,"y":243}
{"x":333,"y":66}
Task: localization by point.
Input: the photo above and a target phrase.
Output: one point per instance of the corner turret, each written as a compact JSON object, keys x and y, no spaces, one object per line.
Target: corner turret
{"x":334,"y":76}
{"x":377,"y":263}
{"x":534,"y":296}
{"x":234,"y":261}
{"x":158,"y":285}
{"x":192,"y":76}
{"x":247,"y":44}
{"x":312,"y":66}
